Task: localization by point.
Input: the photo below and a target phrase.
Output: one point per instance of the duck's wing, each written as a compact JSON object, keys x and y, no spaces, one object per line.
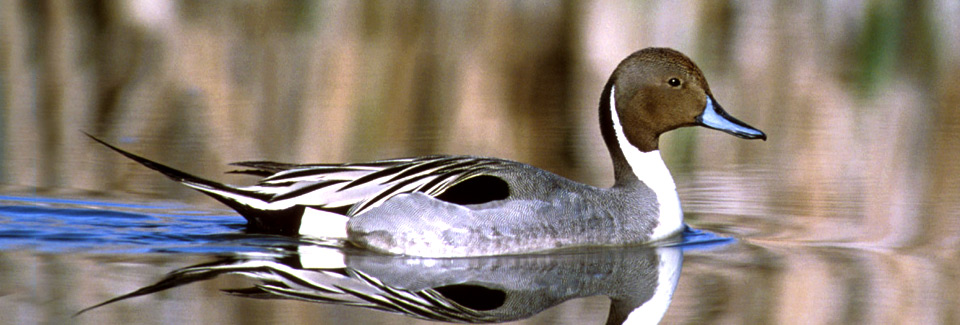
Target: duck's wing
{"x":288,"y":192}
{"x":268,"y":168}
{"x":263,"y":168}
{"x":357,"y":187}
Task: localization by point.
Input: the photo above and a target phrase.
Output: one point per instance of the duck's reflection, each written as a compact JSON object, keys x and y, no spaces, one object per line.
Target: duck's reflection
{"x":640,"y":281}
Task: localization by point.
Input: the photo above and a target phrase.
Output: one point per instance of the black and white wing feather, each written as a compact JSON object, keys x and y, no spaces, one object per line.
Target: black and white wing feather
{"x":279,"y":201}
{"x":356,"y":188}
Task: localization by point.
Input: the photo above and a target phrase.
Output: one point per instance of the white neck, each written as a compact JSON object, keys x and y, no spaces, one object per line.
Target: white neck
{"x":650,"y":169}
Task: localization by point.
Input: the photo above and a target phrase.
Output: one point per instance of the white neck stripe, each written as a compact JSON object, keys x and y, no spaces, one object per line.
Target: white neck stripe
{"x":649,"y":168}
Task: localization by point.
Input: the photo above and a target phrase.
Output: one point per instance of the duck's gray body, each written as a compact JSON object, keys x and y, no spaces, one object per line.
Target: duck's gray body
{"x":451,"y":206}
{"x":543,"y":211}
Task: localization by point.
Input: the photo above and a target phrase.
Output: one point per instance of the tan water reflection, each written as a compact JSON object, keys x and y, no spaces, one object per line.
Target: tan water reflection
{"x":850,"y":208}
{"x":815,"y":285}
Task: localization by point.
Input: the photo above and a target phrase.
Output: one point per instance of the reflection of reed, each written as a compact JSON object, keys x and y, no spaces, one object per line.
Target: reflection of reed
{"x":781,"y":285}
{"x":859,"y":97}
{"x":941,"y":227}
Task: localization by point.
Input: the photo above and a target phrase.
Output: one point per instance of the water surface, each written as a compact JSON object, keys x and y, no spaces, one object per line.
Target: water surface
{"x":59,"y":256}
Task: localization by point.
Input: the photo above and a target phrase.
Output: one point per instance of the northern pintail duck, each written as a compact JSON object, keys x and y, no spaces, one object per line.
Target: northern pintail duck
{"x":449,"y":206}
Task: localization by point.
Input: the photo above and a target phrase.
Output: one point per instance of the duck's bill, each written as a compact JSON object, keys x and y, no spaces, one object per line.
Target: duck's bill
{"x":716,"y":118}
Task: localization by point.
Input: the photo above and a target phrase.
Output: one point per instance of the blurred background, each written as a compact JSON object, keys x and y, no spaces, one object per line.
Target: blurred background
{"x":860,"y":99}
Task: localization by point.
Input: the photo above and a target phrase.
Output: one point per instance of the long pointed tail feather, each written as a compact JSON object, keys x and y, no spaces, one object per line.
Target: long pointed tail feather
{"x":253,"y":206}
{"x":174,"y":174}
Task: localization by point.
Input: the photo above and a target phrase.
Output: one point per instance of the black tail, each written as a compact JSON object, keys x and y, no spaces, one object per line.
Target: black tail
{"x":285,"y":221}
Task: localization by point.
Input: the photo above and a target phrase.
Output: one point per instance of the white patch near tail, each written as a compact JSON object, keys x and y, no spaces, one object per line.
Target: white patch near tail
{"x":323,"y":224}
{"x":650,"y":169}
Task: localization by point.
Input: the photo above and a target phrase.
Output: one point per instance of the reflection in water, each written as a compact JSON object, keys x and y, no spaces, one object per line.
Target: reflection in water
{"x":55,"y":225}
{"x":59,"y":256}
{"x":640,"y":281}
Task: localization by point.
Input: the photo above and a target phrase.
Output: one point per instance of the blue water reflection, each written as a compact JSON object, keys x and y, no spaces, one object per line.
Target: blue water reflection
{"x":60,"y":225}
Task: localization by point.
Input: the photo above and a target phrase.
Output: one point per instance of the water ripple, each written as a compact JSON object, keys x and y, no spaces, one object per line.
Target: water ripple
{"x":44,"y":224}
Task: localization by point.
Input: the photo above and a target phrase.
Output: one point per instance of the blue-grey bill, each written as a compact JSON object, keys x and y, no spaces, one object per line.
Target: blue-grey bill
{"x":716,"y":118}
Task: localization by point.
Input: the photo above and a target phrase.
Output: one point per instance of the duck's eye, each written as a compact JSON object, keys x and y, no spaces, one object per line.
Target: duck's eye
{"x":674,"y":82}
